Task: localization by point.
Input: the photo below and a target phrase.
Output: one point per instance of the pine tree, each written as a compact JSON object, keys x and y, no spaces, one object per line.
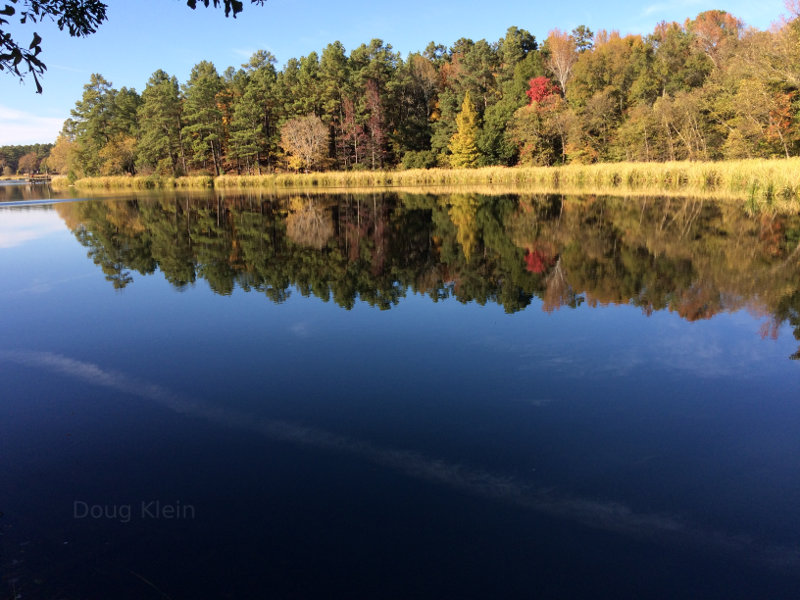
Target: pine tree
{"x":253,"y":130}
{"x":203,"y":128}
{"x":160,"y":143}
{"x":464,"y":151}
{"x":91,"y":123}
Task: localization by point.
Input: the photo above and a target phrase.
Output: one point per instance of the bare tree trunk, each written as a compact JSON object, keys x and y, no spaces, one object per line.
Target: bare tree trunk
{"x":214,"y":156}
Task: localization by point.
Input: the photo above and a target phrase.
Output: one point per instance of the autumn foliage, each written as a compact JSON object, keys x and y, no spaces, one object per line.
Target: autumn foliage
{"x":704,"y":89}
{"x":540,"y":89}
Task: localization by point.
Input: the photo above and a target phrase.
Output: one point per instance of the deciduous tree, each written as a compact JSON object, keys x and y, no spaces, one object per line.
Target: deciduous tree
{"x":536,"y":128}
{"x":61,"y":157}
{"x":28,"y":163}
{"x":561,"y":53}
{"x":463,"y":148}
{"x":375,"y":124}
{"x":305,"y":139}
{"x":715,"y":33}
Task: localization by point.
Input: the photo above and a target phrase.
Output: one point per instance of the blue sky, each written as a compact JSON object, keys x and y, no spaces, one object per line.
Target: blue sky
{"x":141,"y":36}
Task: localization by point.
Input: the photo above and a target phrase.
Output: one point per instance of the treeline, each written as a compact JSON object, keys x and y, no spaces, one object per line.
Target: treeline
{"x":23,"y":159}
{"x":687,"y":256}
{"x":707,"y":89}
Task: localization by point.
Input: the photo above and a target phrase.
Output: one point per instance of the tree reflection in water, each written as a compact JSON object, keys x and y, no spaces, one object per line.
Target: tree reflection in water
{"x":694,"y":257}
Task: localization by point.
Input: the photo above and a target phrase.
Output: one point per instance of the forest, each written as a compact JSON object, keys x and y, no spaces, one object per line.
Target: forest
{"x":707,"y":89}
{"x":23,"y":159}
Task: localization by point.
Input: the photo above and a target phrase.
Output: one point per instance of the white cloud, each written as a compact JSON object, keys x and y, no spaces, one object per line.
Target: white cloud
{"x":19,"y":227}
{"x":19,"y":127}
{"x":243,"y":52}
{"x":674,"y":6}
{"x":300,"y":330}
{"x":247,"y":53}
{"x":67,"y":69}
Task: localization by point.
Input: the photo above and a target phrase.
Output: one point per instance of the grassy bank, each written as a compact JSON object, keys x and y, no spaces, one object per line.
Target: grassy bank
{"x":149,"y":182}
{"x":755,"y":180}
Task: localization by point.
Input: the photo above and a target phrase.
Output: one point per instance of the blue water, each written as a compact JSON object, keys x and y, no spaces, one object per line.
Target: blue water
{"x":231,"y":446}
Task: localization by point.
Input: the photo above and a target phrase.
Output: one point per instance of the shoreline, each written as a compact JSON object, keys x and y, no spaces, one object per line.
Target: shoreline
{"x":761,"y":180}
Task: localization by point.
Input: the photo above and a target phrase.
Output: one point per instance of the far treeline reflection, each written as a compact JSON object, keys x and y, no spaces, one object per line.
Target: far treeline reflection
{"x":694,"y":257}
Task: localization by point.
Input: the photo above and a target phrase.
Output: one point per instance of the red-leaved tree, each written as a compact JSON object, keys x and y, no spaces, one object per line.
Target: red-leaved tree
{"x":540,"y":89}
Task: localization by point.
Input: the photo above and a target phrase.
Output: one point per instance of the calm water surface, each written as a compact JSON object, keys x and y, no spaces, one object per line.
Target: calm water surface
{"x":398,"y":396}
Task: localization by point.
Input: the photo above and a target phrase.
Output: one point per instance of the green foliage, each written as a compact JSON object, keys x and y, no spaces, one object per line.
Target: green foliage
{"x":704,"y":90}
{"x":104,"y":126}
{"x":202,"y":116}
{"x":254,"y":126}
{"x":10,"y":155}
{"x":160,"y":145}
{"x":422,"y":159}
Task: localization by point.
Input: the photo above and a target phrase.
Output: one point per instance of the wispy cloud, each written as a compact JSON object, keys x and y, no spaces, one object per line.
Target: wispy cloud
{"x":244,"y":53}
{"x":599,"y":514}
{"x":44,"y":287}
{"x":19,"y":127}
{"x":301,"y":329}
{"x":663,"y":7}
{"x":66,"y":68}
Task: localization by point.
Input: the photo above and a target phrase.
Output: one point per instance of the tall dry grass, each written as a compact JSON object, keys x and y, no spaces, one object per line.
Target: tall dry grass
{"x":144,"y":182}
{"x":757,"y":180}
{"x":762,"y":179}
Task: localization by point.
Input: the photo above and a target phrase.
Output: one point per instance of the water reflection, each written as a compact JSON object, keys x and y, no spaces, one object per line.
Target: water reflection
{"x":20,"y":190}
{"x":694,"y":257}
{"x":608,"y":516}
{"x":598,"y":439}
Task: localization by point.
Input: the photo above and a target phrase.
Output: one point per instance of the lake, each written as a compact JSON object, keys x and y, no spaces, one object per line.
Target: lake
{"x":397,"y":395}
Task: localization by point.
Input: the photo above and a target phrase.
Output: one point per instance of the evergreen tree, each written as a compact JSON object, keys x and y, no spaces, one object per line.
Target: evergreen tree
{"x":91,"y":123}
{"x":443,"y":123}
{"x":160,"y":144}
{"x":413,"y":92}
{"x":104,"y":127}
{"x":253,"y":129}
{"x":334,"y":74}
{"x":463,"y":146}
{"x":203,"y":118}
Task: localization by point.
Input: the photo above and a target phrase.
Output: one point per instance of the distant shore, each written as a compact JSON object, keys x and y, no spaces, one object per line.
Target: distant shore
{"x":761,"y":180}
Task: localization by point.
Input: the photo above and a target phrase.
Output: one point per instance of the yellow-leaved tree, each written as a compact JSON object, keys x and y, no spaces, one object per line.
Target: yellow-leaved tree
{"x":462,"y":145}
{"x":305,"y":141}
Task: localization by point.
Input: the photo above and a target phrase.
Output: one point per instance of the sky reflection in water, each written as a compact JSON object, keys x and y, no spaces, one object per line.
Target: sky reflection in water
{"x":615,"y":373}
